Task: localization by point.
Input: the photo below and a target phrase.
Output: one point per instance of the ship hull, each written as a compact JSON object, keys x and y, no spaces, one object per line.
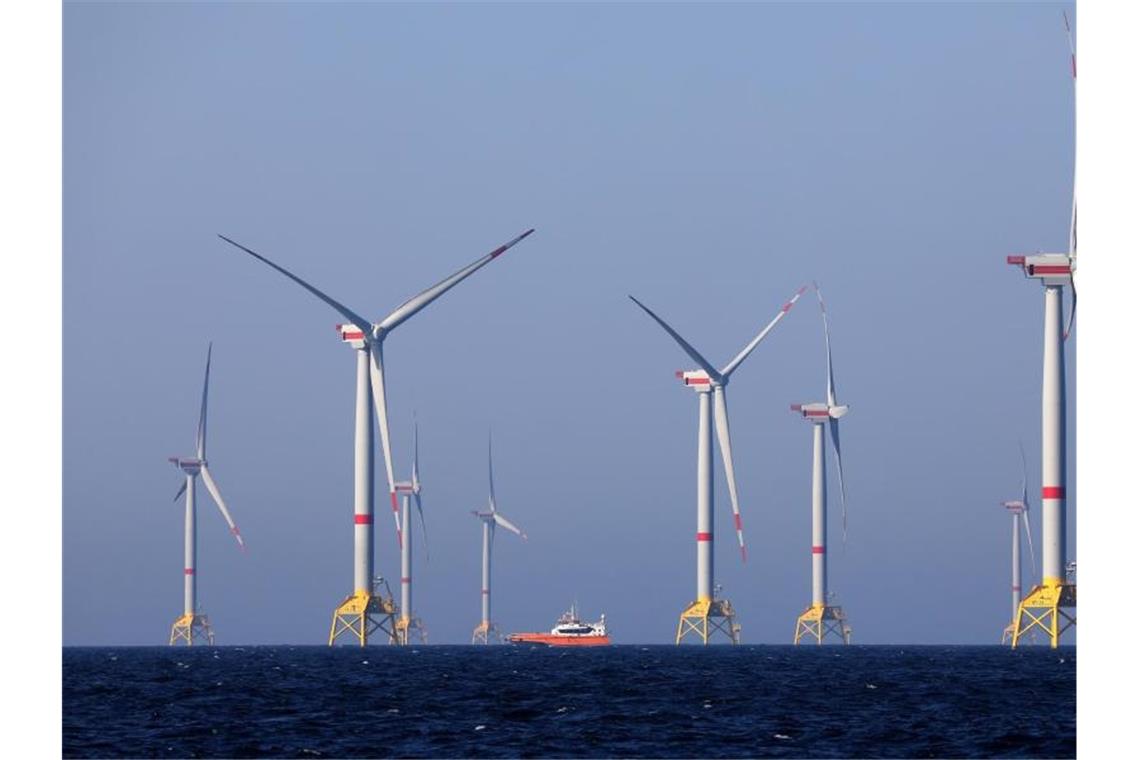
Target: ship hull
{"x":548,"y":639}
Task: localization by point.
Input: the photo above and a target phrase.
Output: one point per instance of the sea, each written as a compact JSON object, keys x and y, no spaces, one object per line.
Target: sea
{"x":620,"y":701}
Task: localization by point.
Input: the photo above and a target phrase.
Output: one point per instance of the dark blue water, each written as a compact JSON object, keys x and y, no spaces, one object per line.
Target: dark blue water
{"x":627,"y":701}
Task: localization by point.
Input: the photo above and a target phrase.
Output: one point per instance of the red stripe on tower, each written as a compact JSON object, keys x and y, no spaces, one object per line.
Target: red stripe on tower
{"x":1053,"y":492}
{"x":188,"y":571}
{"x":405,"y":580}
{"x":704,"y":537}
{"x":818,"y":549}
{"x":362,"y":519}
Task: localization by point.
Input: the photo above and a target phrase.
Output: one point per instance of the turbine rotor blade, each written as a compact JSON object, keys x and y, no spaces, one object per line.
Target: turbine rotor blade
{"x":827,"y":341}
{"x":1073,"y":218}
{"x":499,"y":519}
{"x":834,"y":425}
{"x":379,"y":401}
{"x":1072,"y":308}
{"x":732,"y":365}
{"x":212,"y":487}
{"x":181,"y":490}
{"x":362,"y":323}
{"x":416,"y":483}
{"x":490,"y":475}
{"x":201,"y":442}
{"x":1025,"y":479}
{"x":417,"y":302}
{"x":1025,"y":502}
{"x":692,"y":352}
{"x":1028,"y":535}
{"x":725,"y":444}
{"x":1072,"y":47}
{"x":423,"y":525}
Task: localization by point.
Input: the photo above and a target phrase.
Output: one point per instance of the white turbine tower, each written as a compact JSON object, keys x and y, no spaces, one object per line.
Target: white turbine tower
{"x":409,"y":627}
{"x":1019,"y":509}
{"x":366,"y":610}
{"x":487,"y":631}
{"x":194,"y":624}
{"x":820,"y":617}
{"x":1051,"y":605}
{"x":709,"y":613}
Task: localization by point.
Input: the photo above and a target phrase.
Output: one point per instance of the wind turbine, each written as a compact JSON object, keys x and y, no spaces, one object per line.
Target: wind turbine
{"x":708,"y":613}
{"x":194,"y":624}
{"x":366,"y":610}
{"x":1051,"y":604}
{"x":486,"y":631}
{"x":820,"y":617}
{"x":1019,"y":508}
{"x":408,"y":625}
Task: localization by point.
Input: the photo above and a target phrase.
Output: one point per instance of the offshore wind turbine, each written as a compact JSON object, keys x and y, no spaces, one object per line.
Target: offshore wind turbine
{"x":409,"y":626}
{"x":366,"y":610}
{"x":194,"y":624}
{"x":1019,"y":509}
{"x":709,"y":613}
{"x":1051,"y":605}
{"x":487,"y":631}
{"x":820,"y":617}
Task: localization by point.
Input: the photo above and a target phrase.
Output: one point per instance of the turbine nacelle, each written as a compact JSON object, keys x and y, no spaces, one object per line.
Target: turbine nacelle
{"x":353,"y":336}
{"x":1015,"y":506}
{"x":699,"y":380}
{"x":819,"y":411}
{"x":189,"y":465}
{"x":1050,"y":268}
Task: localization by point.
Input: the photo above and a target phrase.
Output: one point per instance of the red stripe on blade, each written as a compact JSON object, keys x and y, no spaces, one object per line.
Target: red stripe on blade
{"x":739,"y":524}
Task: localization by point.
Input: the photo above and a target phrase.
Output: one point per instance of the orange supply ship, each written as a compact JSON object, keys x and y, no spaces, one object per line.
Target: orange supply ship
{"x":569,"y":631}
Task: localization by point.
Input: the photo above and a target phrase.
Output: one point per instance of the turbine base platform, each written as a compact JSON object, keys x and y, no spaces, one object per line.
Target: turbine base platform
{"x":361,"y":615}
{"x":411,"y":631}
{"x":1050,"y":607}
{"x":190,"y":627}
{"x":486,"y":633}
{"x":703,"y":618}
{"x":818,"y":620}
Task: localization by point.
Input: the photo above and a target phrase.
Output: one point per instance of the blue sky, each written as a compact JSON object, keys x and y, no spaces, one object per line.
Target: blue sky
{"x":707,"y":160}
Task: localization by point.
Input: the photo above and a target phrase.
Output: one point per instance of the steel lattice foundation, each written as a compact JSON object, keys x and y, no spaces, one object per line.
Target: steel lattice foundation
{"x":704,"y":618}
{"x":1050,"y":608}
{"x":190,"y":627}
{"x":362,"y":615}
{"x":486,"y":633}
{"x":818,"y":620}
